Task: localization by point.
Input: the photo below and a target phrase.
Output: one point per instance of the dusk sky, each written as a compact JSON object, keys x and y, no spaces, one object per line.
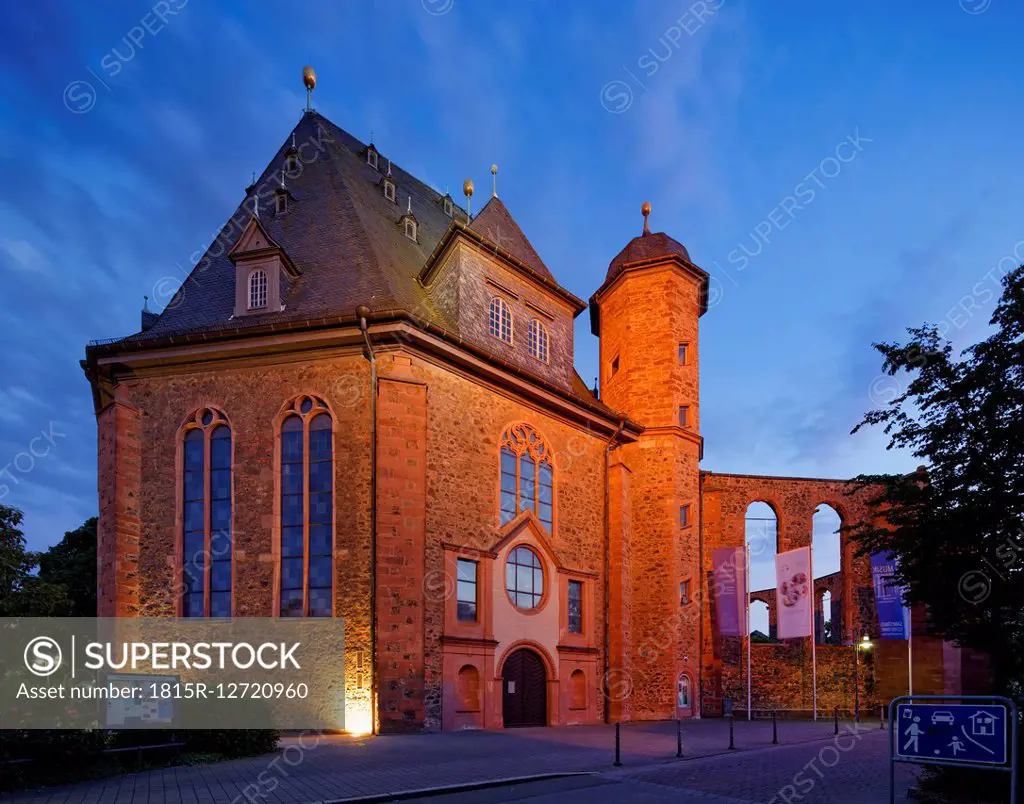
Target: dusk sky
{"x":842,"y":173}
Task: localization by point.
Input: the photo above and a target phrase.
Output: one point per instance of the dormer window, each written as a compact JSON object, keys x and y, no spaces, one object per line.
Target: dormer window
{"x":291,"y":166}
{"x":448,"y":208}
{"x":389,"y":190}
{"x":280,"y":202}
{"x":371,"y":157}
{"x":258,"y":289}
{"x":410,"y":229}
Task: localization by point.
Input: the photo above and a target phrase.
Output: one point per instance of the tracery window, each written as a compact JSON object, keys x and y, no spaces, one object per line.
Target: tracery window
{"x":527,"y":477}
{"x":307,"y":510}
{"x":500,"y":320}
{"x":206,"y":542}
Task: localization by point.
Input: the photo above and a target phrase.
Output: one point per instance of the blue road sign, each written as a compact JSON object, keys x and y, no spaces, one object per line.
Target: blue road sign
{"x":952,"y":733}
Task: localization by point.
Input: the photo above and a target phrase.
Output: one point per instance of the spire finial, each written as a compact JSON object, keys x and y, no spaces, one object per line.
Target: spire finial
{"x":309,"y":79}
{"x":494,"y":181}
{"x":293,"y":139}
{"x":389,"y":167}
{"x":282,"y":178}
{"x":467,"y":189}
{"x":254,"y":177}
{"x":145,"y":304}
{"x":256,"y":204}
{"x":645,"y":210}
{"x":408,"y":207}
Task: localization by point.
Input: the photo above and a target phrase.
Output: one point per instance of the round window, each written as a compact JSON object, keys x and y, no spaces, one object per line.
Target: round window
{"x":524,"y":578}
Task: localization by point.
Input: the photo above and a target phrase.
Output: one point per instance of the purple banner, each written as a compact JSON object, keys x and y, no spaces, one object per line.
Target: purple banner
{"x":892,"y":616}
{"x":729,"y":564}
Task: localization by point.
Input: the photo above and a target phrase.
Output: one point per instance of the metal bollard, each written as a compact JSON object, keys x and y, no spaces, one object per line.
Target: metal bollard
{"x":881,"y":717}
{"x":679,"y":737}
{"x":618,"y":762}
{"x":732,"y":743}
{"x":775,"y":730}
{"x":835,"y":713}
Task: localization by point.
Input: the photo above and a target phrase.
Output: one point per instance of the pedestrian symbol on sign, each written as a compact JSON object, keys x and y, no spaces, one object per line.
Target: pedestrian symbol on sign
{"x":914,"y":733}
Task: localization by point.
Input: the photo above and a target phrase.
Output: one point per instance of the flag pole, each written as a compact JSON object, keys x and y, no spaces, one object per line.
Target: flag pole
{"x":910,"y":651}
{"x":814,"y":636}
{"x":746,"y":602}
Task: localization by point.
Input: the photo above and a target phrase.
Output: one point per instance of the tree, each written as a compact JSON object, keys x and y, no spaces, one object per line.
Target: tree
{"x":65,"y":584}
{"x":16,"y":563}
{"x":955,"y":526}
{"x":71,"y":563}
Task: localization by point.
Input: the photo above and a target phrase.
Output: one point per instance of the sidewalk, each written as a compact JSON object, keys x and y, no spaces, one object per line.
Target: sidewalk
{"x":319,"y":769}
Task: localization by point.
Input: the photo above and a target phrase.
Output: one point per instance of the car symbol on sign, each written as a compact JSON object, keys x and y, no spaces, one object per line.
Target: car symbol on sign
{"x":943,"y":717}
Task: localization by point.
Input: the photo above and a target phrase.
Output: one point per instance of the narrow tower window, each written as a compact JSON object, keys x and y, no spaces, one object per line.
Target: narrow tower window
{"x":684,"y":357}
{"x":684,"y":415}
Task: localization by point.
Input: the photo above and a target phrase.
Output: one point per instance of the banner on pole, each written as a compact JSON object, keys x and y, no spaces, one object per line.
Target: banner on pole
{"x":793,"y":593}
{"x":729,"y":564}
{"x":892,"y":614}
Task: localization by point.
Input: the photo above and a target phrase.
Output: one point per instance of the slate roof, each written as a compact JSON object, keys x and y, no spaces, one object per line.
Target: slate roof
{"x":344,"y":238}
{"x":343,"y":235}
{"x":496,"y":224}
{"x":645,"y":247}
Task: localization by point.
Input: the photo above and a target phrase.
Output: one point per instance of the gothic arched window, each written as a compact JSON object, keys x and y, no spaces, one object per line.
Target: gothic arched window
{"x":527,"y":478}
{"x":307,"y":510}
{"x":206,"y":543}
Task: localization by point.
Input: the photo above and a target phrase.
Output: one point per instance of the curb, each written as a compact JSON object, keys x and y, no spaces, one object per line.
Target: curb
{"x":401,"y":795}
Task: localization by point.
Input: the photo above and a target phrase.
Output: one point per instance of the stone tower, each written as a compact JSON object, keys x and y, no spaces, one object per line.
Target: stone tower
{"x":646,"y":314}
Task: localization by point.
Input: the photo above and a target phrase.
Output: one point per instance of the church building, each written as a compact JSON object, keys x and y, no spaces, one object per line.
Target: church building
{"x":362,"y":404}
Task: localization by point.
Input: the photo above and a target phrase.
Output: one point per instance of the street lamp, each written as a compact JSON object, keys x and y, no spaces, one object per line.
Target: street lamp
{"x":865,"y":644}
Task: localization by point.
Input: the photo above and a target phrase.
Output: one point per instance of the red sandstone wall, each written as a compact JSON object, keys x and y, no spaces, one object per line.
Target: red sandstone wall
{"x":788,"y":682}
{"x":645,"y":315}
{"x":251,"y":394}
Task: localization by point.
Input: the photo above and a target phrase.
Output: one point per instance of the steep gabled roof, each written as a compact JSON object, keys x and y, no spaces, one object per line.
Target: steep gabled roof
{"x":496,"y":224}
{"x":342,"y":235}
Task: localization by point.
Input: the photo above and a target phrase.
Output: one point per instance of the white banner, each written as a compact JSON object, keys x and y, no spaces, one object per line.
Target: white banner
{"x":793,"y":593}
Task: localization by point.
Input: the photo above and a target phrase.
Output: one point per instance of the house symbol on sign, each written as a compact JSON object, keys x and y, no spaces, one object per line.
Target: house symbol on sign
{"x":983,"y":724}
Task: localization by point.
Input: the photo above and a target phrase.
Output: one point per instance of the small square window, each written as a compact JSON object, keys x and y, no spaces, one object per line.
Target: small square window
{"x":684,"y":415}
{"x":684,"y":358}
{"x":615,"y":365}
{"x":371,"y":158}
{"x":684,"y":516}
{"x":448,"y":210}
{"x":684,"y":592}
{"x":389,"y":191}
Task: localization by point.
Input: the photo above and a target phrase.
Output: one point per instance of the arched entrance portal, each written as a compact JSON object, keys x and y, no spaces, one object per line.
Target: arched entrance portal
{"x":524,"y":690}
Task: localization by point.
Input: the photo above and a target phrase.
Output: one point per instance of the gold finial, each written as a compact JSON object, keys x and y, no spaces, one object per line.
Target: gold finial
{"x":467,"y":190}
{"x":309,"y":79}
{"x":494,"y":181}
{"x":645,"y":210}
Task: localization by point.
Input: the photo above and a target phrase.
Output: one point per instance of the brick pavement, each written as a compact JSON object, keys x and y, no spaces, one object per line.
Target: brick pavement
{"x":314,"y":769}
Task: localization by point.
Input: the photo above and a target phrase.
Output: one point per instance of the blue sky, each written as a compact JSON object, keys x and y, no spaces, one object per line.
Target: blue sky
{"x":589,"y":109}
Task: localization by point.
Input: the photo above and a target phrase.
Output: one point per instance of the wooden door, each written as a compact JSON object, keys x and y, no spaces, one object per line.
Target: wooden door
{"x":524,"y":690}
